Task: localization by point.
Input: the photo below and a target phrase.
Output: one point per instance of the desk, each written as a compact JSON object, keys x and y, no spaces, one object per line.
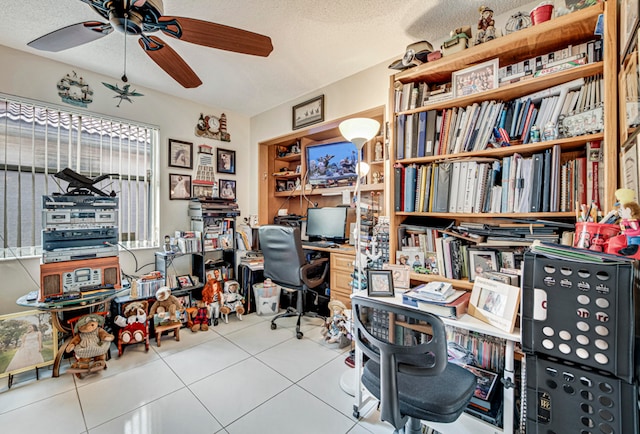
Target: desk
{"x":466,"y":424}
{"x":91,"y":303}
{"x":341,"y":261}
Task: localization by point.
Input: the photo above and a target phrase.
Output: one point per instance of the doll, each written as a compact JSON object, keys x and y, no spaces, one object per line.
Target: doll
{"x":212,"y":295}
{"x":629,"y":214}
{"x":486,"y":29}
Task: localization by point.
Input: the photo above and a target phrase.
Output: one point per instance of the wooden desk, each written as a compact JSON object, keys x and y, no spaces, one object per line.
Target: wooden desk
{"x":341,"y":261}
{"x":466,"y":424}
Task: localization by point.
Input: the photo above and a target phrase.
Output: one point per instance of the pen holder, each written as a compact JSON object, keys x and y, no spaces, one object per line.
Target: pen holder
{"x":594,"y":236}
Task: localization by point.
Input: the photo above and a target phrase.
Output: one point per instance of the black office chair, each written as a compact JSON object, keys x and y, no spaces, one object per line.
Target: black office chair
{"x":412,"y":378}
{"x":285,"y":265}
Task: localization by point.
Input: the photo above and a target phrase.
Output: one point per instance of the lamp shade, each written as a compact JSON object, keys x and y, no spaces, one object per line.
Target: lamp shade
{"x":359,"y":130}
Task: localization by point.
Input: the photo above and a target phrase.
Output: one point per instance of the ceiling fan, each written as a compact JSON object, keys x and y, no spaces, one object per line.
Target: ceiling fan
{"x":141,"y":17}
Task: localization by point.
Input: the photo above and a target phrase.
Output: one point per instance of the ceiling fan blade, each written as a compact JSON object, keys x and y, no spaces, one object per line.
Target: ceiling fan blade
{"x":71,"y":36}
{"x":170,"y":61}
{"x":216,"y":35}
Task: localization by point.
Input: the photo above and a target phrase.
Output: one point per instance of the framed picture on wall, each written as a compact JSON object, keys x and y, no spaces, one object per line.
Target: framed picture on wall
{"x":227,"y":189}
{"x":180,"y":154}
{"x":226,"y":161}
{"x":308,"y":113}
{"x":179,"y":186}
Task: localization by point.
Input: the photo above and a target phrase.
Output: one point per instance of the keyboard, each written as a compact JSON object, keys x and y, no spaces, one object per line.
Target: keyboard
{"x":326,"y":244}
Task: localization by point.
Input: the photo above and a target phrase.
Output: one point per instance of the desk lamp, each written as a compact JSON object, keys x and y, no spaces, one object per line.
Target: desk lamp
{"x":358,"y":131}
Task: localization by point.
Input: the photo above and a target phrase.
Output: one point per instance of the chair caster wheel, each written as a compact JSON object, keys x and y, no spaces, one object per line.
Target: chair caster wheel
{"x":299,"y":335}
{"x":273,"y":326}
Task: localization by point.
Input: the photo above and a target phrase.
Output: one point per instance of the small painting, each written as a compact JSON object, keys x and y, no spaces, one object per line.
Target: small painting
{"x":379,"y":283}
{"x":308,"y":113}
{"x":227,"y":189}
{"x":180,"y":154}
{"x":226,"y":161}
{"x":179,"y":186}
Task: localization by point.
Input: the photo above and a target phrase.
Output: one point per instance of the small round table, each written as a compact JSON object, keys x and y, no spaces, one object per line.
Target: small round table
{"x":94,"y":303}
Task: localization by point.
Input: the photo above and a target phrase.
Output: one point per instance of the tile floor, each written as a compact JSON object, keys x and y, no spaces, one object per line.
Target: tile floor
{"x":237,"y":378}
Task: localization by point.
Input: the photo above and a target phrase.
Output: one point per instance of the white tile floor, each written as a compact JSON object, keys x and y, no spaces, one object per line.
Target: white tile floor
{"x":237,"y":378}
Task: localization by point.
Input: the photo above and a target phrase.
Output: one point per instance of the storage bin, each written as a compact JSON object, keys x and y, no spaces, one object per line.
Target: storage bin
{"x":267,"y":298}
{"x":541,"y":13}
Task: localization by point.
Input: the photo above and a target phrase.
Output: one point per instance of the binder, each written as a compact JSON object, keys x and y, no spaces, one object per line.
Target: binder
{"x":398,"y":187}
{"x":455,"y":185}
{"x":546,"y":183}
{"x":537,"y":183}
{"x":422,"y":134}
{"x":400,"y":121}
{"x":430,"y":132}
{"x":441,"y":203}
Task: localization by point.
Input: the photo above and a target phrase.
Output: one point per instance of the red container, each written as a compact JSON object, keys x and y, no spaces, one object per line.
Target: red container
{"x":541,"y":14}
{"x":594,"y":236}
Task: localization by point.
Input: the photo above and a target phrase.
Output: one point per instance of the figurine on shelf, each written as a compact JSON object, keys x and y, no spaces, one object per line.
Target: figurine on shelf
{"x":376,"y":177}
{"x":486,"y":29}
{"x":378,"y":151}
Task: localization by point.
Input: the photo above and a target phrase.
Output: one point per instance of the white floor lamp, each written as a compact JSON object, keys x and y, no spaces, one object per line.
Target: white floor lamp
{"x":358,"y":131}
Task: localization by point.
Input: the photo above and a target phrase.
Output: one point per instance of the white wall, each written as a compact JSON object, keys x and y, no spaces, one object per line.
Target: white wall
{"x":34,"y":77}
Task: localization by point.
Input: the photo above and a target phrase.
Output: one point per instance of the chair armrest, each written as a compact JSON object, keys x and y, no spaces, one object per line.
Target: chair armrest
{"x":312,"y":267}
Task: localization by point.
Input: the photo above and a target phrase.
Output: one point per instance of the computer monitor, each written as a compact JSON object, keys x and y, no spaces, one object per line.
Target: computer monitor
{"x":327,"y":223}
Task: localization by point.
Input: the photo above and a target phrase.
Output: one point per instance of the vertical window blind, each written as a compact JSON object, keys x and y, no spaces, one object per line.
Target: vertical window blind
{"x":37,"y":141}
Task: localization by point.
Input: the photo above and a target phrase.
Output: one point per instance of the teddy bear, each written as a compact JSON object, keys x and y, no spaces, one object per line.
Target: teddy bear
{"x":200,"y":317}
{"x":90,"y":343}
{"x":213,"y":296}
{"x":232,"y":301}
{"x":166,"y":305}
{"x":133,"y":323}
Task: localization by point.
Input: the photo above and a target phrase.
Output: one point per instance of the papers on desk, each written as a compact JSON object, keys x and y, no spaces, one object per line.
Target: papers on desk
{"x":437,"y":291}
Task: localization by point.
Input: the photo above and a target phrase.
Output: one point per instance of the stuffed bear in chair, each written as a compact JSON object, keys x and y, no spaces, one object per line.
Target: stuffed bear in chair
{"x":133,"y":322}
{"x":166,"y":306}
{"x":90,"y":343}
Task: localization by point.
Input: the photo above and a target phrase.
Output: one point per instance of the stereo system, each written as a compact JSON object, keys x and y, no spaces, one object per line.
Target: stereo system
{"x":79,"y":227}
{"x":60,"y":278}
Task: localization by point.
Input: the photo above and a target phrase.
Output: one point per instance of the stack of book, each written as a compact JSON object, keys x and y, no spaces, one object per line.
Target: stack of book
{"x":438,"y":298}
{"x":486,"y":402}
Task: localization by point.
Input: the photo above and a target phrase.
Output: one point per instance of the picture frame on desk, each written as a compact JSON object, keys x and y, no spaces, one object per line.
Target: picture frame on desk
{"x":379,"y":283}
{"x":481,"y":261}
{"x":495,"y":303}
{"x":401,"y":275}
{"x":185,"y":281}
{"x":475,"y":79}
{"x":32,"y":342}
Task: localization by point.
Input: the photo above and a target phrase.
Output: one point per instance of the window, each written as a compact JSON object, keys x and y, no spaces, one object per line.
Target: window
{"x":37,"y":141}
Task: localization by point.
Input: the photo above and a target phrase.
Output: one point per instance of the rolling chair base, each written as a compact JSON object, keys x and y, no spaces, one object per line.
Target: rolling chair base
{"x":293,"y":312}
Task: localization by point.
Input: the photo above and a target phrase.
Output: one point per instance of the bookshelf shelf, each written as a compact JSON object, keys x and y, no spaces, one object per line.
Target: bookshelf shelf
{"x":515,"y":90}
{"x":566,"y":144}
{"x":529,"y":215}
{"x":290,"y":157}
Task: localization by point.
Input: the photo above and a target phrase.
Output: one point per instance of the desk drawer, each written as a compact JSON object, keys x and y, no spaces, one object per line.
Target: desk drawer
{"x":342,"y":262}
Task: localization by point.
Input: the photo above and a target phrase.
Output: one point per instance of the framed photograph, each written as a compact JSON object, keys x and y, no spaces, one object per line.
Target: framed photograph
{"x":481,"y":261}
{"x":629,"y":162}
{"x":291,"y":185}
{"x":308,"y":113}
{"x":379,"y":283}
{"x":185,"y":281}
{"x":281,"y":186}
{"x":495,"y":303}
{"x":227,"y":189}
{"x":400,"y":273}
{"x":628,"y":24}
{"x":202,"y":190}
{"x":29,"y":341}
{"x":226,"y":161}
{"x":179,"y":186}
{"x":507,"y":260}
{"x":477,"y":78}
{"x":180,"y":154}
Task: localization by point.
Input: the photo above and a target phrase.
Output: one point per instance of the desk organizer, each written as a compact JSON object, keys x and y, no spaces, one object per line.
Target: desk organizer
{"x":584,"y":313}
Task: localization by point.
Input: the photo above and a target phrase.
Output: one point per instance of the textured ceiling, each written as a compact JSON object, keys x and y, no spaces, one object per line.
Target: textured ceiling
{"x":316,"y":42}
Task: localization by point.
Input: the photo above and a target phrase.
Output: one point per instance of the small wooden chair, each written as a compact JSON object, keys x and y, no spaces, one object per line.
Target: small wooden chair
{"x":81,"y":372}
{"x":175,"y":327}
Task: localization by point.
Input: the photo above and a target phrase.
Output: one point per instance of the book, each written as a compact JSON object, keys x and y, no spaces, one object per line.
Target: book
{"x":454,"y":310}
{"x":439,"y":291}
{"x":485,"y":383}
